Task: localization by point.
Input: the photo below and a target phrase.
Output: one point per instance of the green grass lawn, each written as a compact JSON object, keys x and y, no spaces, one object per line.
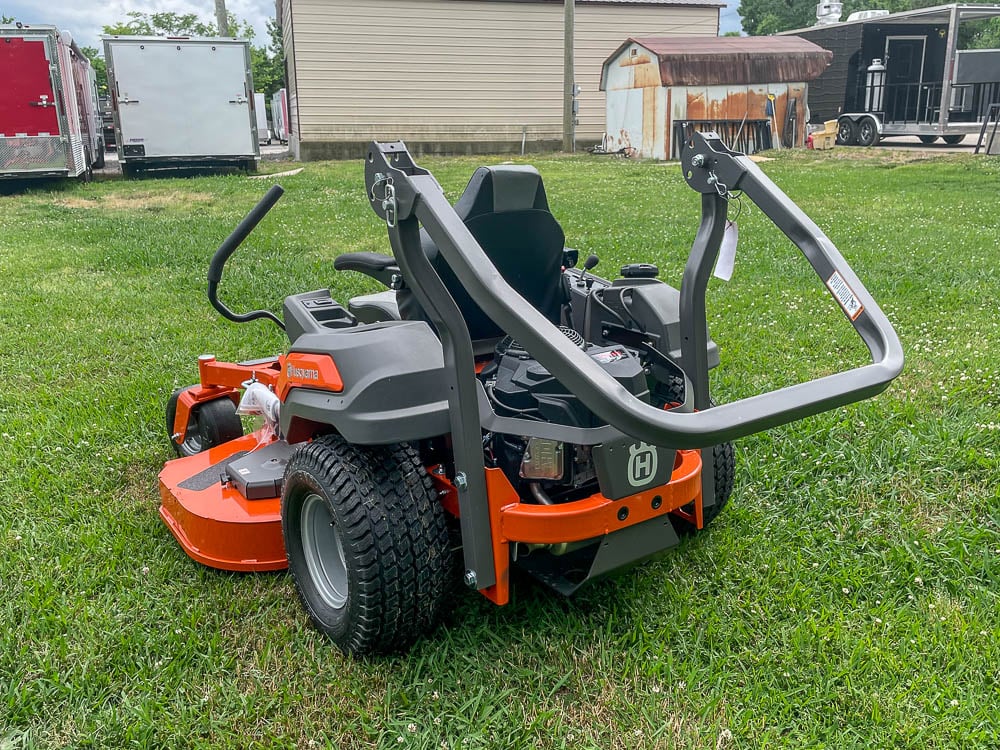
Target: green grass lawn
{"x":848,"y":597}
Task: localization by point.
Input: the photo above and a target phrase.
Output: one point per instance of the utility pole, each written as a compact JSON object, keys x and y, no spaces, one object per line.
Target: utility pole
{"x":569,"y":116}
{"x":221,"y":17}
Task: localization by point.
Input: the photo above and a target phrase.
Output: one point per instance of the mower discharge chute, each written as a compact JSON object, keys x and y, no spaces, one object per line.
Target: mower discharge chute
{"x":563,"y":419}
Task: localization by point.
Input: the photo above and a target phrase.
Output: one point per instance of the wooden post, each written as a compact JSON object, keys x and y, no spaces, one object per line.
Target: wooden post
{"x":569,"y":129}
{"x":221,"y":17}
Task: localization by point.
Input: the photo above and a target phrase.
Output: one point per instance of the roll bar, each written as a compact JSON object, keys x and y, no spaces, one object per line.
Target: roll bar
{"x":407,"y":196}
{"x":710,"y":168}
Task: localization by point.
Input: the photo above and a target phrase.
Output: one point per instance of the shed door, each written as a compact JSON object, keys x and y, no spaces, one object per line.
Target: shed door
{"x":28,"y":106}
{"x":184,"y":99}
{"x":906,"y":99}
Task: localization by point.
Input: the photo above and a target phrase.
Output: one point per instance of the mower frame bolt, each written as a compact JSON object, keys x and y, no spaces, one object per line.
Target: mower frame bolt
{"x":471,"y":579}
{"x":657,"y":502}
{"x":462,"y":483}
{"x":623,"y":513}
{"x":698,"y":160}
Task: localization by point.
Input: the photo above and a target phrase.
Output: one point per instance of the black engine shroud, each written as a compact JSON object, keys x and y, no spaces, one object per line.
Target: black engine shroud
{"x":519,"y":386}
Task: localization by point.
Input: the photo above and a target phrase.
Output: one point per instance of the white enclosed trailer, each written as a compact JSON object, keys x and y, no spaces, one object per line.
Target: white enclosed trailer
{"x":263,"y":131}
{"x":182,"y":102}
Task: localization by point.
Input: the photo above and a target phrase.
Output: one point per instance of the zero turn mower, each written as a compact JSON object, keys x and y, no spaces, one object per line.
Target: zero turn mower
{"x":560,"y":421}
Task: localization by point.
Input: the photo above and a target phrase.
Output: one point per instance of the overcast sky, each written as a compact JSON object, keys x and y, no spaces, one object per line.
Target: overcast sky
{"x":84,"y":18}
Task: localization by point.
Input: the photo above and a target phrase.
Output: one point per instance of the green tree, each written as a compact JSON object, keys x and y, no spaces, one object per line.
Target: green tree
{"x":6,"y":19}
{"x":761,"y":17}
{"x":267,"y":63}
{"x":162,"y":24}
{"x":100,"y":69}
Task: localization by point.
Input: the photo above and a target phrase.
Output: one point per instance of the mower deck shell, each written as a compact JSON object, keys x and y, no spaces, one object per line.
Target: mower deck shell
{"x":212,"y":521}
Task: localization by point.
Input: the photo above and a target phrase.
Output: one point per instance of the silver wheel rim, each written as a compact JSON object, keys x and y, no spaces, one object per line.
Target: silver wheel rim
{"x":324,"y":552}
{"x":192,"y":439}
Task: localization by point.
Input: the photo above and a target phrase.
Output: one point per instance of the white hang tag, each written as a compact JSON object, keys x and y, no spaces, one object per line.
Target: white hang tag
{"x":727,"y":252}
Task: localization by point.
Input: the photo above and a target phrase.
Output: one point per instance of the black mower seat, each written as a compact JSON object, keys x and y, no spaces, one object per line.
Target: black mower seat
{"x":506,"y":210}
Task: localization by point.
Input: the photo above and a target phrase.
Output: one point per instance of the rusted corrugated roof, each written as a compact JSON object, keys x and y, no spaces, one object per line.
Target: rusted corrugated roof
{"x":720,"y":60}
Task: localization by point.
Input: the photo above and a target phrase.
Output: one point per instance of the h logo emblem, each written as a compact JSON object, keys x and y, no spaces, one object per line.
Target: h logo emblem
{"x":641,"y":464}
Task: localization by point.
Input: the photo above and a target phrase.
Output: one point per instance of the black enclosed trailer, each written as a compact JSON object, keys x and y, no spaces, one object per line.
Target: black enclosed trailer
{"x":904,"y":74}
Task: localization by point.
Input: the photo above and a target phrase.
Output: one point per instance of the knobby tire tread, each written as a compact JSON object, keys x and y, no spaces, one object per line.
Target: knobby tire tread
{"x":397,"y":534}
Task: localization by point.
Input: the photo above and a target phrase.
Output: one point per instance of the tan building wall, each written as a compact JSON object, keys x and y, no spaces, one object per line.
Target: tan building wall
{"x":455,"y":75}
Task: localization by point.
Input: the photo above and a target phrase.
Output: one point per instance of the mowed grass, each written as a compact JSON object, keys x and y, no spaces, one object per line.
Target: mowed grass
{"x":848,"y":597}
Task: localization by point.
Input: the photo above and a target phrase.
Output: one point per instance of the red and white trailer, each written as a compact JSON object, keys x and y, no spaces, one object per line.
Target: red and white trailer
{"x":49,"y":115}
{"x":279,"y":115}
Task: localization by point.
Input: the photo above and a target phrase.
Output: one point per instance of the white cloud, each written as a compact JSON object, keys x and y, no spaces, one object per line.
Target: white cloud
{"x":84,"y":18}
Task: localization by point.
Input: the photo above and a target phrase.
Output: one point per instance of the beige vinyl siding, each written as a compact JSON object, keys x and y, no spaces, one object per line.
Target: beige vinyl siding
{"x":441,"y":70}
{"x":600,"y":29}
{"x":457,"y":70}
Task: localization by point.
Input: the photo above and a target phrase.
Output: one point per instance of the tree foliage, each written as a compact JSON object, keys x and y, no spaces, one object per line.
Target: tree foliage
{"x":761,"y":17}
{"x":266,"y":62}
{"x":100,"y":69}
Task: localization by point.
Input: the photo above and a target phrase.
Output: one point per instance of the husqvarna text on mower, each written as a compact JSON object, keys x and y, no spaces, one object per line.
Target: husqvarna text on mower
{"x":564,"y":420}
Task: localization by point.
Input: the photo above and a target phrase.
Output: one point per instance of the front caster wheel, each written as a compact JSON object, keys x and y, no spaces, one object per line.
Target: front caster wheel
{"x":212,"y":423}
{"x":367,"y":543}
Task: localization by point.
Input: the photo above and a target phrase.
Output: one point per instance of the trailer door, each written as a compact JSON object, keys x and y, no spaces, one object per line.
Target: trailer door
{"x":28,"y":107}
{"x":906,"y":98}
{"x":184,"y":99}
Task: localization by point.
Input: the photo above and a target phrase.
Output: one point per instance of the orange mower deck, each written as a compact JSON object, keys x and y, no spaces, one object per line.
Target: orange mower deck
{"x":218,"y":527}
{"x":212,"y":521}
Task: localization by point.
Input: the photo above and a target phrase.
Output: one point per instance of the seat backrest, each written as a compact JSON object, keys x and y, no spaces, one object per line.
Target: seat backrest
{"x":506,"y":210}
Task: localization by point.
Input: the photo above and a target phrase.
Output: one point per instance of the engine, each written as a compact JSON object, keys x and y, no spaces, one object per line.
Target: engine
{"x":518,"y":386}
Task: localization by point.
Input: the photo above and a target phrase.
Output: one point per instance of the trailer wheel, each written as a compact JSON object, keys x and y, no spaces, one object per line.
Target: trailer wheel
{"x":847,"y":132}
{"x":99,"y":161}
{"x":723,"y":461}
{"x":867,"y":132}
{"x":87,"y":175}
{"x":212,"y":423}
{"x":367,"y":543}
{"x":953,"y":140}
{"x":927,"y":139}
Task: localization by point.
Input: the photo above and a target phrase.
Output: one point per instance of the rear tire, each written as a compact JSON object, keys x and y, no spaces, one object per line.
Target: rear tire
{"x":367,"y":543}
{"x":212,"y":423}
{"x":847,"y":132}
{"x":868,"y":134}
{"x":723,"y":462}
{"x":99,"y":161}
{"x":953,"y":140}
{"x":927,"y":139}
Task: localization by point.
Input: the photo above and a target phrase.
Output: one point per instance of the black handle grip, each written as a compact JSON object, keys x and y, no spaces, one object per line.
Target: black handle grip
{"x":243,"y":229}
{"x":228,"y":247}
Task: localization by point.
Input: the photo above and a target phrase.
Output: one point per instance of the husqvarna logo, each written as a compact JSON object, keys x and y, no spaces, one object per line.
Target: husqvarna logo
{"x":300,"y":373}
{"x":641,"y":464}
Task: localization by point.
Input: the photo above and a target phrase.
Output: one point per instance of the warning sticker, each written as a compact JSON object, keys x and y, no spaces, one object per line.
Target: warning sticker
{"x":845,"y":296}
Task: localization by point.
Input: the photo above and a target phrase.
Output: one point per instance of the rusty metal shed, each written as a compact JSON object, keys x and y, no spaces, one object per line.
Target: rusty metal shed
{"x":751,"y":90}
